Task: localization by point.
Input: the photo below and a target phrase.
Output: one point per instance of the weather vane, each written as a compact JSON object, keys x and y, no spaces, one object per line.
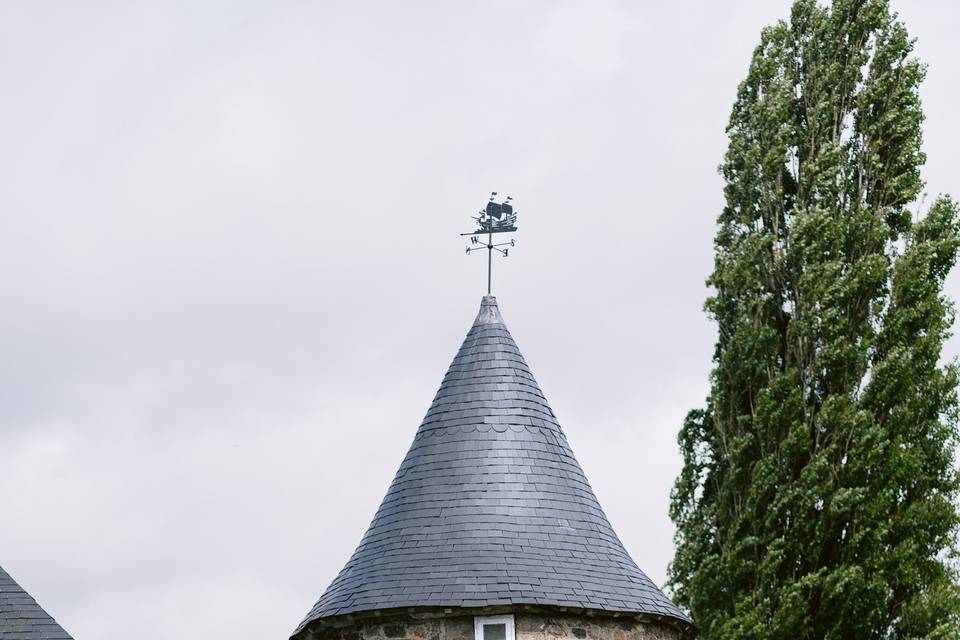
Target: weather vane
{"x":497,"y":217}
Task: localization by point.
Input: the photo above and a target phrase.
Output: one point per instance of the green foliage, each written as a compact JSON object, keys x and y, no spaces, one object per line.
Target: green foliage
{"x":818,"y":495}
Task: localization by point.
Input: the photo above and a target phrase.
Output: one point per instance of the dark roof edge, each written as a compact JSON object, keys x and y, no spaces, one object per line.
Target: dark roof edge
{"x":308,"y":632}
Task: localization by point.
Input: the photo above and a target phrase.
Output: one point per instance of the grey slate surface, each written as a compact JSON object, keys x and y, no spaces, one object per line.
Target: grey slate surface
{"x":490,"y":507}
{"x":21,"y":618}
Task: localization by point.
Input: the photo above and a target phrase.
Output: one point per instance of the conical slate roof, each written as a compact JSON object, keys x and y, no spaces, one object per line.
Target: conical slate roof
{"x":21,"y":618}
{"x":490,"y":507}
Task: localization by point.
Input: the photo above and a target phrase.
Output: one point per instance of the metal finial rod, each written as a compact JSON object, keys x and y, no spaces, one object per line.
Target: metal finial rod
{"x":489,"y":261}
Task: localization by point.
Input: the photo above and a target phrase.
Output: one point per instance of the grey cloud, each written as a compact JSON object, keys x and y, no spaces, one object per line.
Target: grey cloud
{"x":232,"y":279}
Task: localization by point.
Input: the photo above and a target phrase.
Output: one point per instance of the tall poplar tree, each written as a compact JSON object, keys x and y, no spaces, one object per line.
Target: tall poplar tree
{"x":818,"y":497}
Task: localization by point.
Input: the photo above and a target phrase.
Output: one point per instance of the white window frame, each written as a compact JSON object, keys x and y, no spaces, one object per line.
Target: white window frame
{"x":506,"y":620}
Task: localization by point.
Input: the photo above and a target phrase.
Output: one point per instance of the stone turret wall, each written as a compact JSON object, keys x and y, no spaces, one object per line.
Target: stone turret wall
{"x":529,"y":626}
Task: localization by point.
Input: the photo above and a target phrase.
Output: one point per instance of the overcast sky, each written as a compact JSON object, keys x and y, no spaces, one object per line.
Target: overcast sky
{"x":231,"y":277}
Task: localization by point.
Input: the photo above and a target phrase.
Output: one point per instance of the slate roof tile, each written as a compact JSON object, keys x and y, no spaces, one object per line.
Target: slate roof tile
{"x":21,"y":618}
{"x":490,"y":506}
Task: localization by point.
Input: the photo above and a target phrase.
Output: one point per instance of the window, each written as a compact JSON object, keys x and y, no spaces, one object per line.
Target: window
{"x":493,"y":628}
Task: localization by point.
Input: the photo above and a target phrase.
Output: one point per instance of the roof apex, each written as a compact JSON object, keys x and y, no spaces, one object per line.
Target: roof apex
{"x":489,"y":312}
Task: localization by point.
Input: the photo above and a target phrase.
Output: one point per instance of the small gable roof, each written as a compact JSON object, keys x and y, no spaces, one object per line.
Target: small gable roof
{"x":21,"y":618}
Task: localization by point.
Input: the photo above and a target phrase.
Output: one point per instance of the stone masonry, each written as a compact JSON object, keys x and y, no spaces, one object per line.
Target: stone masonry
{"x":529,"y":626}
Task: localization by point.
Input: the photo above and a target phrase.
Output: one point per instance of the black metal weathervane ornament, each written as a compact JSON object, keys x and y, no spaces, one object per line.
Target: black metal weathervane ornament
{"x":497,"y":217}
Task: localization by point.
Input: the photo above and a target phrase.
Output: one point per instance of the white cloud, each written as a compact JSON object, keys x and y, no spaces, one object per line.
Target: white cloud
{"x":586,"y":34}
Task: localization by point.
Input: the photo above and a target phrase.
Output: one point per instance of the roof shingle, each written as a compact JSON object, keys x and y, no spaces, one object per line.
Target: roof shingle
{"x":21,"y":618}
